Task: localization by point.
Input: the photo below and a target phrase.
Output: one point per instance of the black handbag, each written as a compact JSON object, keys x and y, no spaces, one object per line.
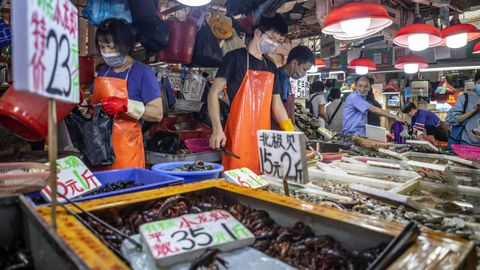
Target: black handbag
{"x":207,"y":52}
{"x":92,"y":137}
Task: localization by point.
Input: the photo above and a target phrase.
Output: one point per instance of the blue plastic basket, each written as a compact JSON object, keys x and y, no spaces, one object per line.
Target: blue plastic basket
{"x":189,"y":177}
{"x":149,"y":179}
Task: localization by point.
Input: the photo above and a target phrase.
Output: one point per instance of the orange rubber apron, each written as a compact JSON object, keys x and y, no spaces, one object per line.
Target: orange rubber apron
{"x":249,"y":112}
{"x":127,"y":136}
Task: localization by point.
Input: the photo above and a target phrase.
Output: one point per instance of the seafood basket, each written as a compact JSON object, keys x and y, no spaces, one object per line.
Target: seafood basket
{"x":352,"y":231}
{"x":27,"y":243}
{"x":22,"y":177}
{"x":155,"y":157}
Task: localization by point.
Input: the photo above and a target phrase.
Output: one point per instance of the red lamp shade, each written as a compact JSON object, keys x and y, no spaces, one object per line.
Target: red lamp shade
{"x":459,"y":35}
{"x":362,"y":65}
{"x":356,"y":20}
{"x":411,"y":63}
{"x":418,"y":37}
{"x":411,"y":59}
{"x":476,"y":48}
{"x":319,"y":62}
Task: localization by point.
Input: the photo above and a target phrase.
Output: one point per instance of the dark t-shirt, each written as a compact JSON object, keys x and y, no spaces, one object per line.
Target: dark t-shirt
{"x":233,"y":69}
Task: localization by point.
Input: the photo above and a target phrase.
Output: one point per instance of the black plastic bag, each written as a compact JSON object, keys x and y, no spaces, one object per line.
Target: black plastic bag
{"x":92,"y":137}
{"x":152,"y":33}
{"x":207,"y":52}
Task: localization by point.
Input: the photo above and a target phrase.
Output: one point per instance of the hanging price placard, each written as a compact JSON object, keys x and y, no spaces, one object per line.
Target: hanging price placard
{"x":245,"y":177}
{"x":184,"y":238}
{"x":283,"y":154}
{"x":45,"y":48}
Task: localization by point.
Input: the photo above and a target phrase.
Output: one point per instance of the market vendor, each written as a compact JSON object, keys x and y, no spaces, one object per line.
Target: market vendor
{"x":127,"y":89}
{"x":427,"y":122}
{"x":464,"y":117}
{"x":356,"y":107}
{"x":254,"y":93}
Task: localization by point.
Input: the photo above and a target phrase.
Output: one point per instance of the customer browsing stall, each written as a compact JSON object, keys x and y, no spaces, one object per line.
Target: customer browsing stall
{"x":127,"y":90}
{"x":316,"y":102}
{"x":464,"y":117}
{"x":334,"y":110}
{"x":427,"y":122}
{"x":356,"y":109}
{"x":254,"y":93}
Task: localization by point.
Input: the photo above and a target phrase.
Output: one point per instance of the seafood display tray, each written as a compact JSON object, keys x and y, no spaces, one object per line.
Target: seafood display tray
{"x":354,"y":231}
{"x":21,"y":223}
{"x":155,"y":157}
{"x":463,"y":165}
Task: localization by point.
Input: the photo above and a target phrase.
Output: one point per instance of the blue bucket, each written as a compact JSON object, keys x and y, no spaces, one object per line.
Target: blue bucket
{"x":189,"y":177}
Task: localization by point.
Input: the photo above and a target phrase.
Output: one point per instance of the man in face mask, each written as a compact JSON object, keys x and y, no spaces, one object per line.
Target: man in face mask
{"x":254,"y":91}
{"x":299,"y":60}
{"x":354,"y":115}
{"x":464,"y":117}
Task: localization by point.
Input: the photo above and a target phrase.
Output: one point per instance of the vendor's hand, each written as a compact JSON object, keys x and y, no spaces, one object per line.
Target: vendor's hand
{"x":217,"y":139}
{"x":476,"y":132}
{"x":114,"y":105}
{"x":477,"y":106}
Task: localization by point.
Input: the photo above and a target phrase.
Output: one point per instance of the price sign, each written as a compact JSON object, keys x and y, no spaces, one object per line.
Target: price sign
{"x":283,"y":154}
{"x":73,"y":179}
{"x":184,"y":238}
{"x":45,"y":48}
{"x":300,"y":88}
{"x":245,"y":177}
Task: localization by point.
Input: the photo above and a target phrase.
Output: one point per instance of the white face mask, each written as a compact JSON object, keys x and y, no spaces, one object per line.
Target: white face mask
{"x":265,"y":45}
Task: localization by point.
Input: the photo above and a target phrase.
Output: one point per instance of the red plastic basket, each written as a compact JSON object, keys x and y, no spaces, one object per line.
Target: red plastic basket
{"x":194,"y":128}
{"x":466,"y":151}
{"x":198,"y":145}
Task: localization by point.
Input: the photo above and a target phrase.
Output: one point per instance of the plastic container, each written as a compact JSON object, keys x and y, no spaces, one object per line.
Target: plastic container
{"x":149,"y":179}
{"x":184,"y":127}
{"x":189,"y":177}
{"x":466,"y":151}
{"x":155,"y":157}
{"x":86,"y":66}
{"x":198,"y":145}
{"x":181,"y":43}
{"x":26,"y":115}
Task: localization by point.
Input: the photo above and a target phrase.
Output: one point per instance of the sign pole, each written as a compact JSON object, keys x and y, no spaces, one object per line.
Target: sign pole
{"x":52,"y":156}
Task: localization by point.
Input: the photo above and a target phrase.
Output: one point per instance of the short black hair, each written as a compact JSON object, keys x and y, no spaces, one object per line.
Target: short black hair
{"x":317,"y":86}
{"x":302,"y":54}
{"x":118,"y":32}
{"x":276,"y":23}
{"x":477,"y":75}
{"x":334,"y":94}
{"x":409,"y":107}
{"x":370,"y":80}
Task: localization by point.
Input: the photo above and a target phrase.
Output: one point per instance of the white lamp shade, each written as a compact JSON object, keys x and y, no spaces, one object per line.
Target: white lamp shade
{"x":194,"y":3}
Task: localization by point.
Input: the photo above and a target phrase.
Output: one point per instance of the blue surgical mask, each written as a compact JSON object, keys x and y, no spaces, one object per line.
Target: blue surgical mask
{"x":477,"y":88}
{"x":115,"y":59}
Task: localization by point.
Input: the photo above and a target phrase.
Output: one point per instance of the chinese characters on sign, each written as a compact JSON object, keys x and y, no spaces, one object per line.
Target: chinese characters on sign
{"x":283,"y":154}
{"x":300,"y":88}
{"x":73,"y":179}
{"x":45,"y":42}
{"x":182,"y":239}
{"x":245,"y":177}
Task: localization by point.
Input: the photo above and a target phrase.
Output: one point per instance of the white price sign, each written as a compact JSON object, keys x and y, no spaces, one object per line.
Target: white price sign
{"x":300,"y":88}
{"x":45,"y":48}
{"x":73,"y":179}
{"x":283,"y":154}
{"x":184,"y":238}
{"x":245,"y":177}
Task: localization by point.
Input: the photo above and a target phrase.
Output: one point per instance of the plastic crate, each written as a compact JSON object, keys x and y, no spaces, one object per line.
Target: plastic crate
{"x":190,"y":177}
{"x":193,"y":128}
{"x":155,"y":157}
{"x":198,"y":145}
{"x":148,"y":178}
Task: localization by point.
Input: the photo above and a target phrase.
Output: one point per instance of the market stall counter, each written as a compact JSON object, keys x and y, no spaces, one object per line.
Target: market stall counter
{"x":353,"y":233}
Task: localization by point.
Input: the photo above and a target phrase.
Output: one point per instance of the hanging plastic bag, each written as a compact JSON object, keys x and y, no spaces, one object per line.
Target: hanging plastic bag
{"x":220,"y":26}
{"x":152,"y":33}
{"x":233,"y":43}
{"x":96,"y":11}
{"x":445,"y":88}
{"x":92,"y":137}
{"x":207,"y":52}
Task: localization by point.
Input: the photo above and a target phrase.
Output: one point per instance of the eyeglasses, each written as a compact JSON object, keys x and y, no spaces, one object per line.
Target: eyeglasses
{"x":276,"y":40}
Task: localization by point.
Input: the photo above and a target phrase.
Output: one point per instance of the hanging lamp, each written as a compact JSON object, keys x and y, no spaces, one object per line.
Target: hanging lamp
{"x":362,"y":65}
{"x":457,"y":34}
{"x":476,"y":48}
{"x":319,"y":63}
{"x":419,"y":35}
{"x":194,"y":3}
{"x":411,"y":63}
{"x":354,"y":20}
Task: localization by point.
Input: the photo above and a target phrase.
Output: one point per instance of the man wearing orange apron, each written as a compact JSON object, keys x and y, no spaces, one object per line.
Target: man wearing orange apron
{"x":127,"y":90}
{"x":254,"y":92}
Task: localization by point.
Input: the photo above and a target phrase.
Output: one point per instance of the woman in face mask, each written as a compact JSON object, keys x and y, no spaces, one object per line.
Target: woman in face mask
{"x":464,"y":117}
{"x":253,"y":90}
{"x":126,"y":90}
{"x":354,"y":115}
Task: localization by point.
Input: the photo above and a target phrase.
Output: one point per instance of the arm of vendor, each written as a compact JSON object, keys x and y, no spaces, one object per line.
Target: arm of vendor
{"x":356,"y":108}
